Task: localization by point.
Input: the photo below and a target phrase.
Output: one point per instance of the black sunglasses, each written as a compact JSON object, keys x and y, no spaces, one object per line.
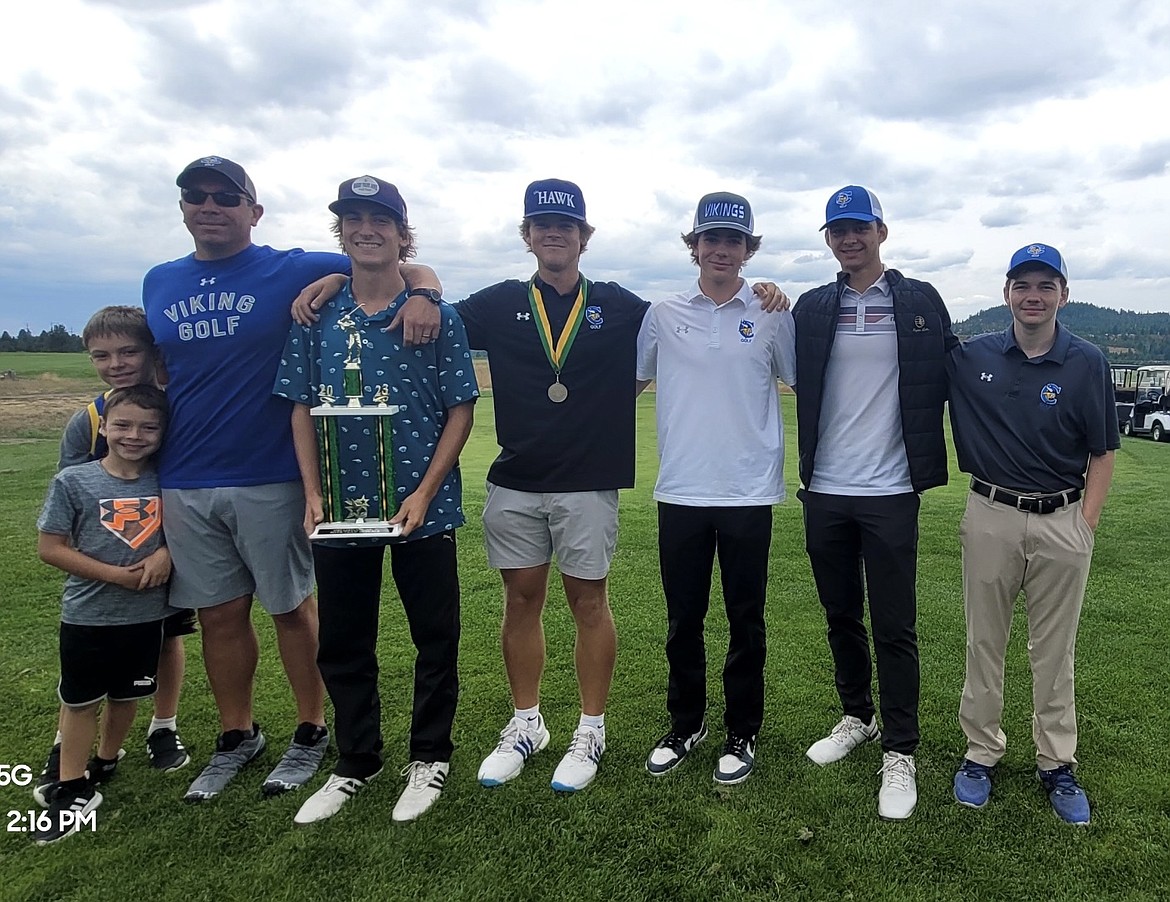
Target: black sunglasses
{"x":197,"y":198}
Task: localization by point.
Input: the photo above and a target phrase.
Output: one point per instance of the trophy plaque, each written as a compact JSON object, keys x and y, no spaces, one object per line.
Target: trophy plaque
{"x":355,"y":444}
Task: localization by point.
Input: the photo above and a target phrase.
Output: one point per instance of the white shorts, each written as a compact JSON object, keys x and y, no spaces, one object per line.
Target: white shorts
{"x":527,"y":529}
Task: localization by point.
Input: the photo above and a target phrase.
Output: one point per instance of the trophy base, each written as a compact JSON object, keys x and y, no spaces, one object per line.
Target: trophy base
{"x":356,"y":529}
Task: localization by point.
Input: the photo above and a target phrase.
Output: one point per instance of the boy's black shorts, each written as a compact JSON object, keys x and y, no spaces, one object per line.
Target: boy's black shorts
{"x":181,"y":623}
{"x":119,"y":662}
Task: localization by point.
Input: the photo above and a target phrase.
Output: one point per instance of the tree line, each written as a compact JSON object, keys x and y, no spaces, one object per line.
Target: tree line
{"x":55,"y":339}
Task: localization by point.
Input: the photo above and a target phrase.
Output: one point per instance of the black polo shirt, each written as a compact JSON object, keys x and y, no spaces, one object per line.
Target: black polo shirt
{"x":585,"y":443}
{"x":1030,"y":424}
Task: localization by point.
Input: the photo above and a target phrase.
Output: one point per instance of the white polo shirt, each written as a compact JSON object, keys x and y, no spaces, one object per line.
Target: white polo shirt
{"x":720,"y":436}
{"x":860,"y":449}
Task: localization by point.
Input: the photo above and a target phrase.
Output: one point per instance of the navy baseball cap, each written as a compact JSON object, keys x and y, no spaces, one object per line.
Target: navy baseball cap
{"x":724,"y":210}
{"x":369,"y":189}
{"x":554,"y":196}
{"x":853,"y":202}
{"x":1038,"y":253}
{"x":233,"y":172}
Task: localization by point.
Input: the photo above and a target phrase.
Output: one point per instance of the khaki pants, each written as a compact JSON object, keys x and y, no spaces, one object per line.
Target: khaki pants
{"x":1047,"y":558}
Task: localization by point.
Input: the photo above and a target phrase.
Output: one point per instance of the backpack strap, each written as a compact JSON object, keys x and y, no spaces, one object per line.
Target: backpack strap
{"x":97,"y":442}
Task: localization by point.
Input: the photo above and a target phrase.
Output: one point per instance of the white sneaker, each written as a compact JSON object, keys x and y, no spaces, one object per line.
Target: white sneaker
{"x":519,"y":741}
{"x":327,"y":800}
{"x":899,"y":792}
{"x":846,"y":736}
{"x":579,"y":766}
{"x":424,"y":783}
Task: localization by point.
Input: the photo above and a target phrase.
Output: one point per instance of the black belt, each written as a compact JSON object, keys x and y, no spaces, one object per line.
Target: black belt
{"x":1029,"y":504}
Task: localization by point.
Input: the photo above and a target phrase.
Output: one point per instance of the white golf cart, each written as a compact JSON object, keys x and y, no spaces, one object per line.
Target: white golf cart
{"x":1150,"y":413}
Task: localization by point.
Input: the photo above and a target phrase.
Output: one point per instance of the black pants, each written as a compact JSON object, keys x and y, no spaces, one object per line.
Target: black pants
{"x":349,"y":588}
{"x":688,"y":539}
{"x":846,"y":535}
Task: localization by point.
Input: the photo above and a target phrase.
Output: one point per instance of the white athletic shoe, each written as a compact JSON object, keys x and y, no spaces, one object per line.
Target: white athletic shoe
{"x":846,"y":736}
{"x":579,"y":766}
{"x":519,"y":741}
{"x":327,"y":800}
{"x":424,"y":783}
{"x":899,"y":792}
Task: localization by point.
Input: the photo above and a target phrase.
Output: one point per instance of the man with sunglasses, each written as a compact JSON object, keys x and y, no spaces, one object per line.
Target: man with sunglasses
{"x":232,"y":495}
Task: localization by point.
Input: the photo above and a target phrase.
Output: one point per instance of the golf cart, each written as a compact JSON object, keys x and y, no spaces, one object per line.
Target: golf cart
{"x":1150,"y":411}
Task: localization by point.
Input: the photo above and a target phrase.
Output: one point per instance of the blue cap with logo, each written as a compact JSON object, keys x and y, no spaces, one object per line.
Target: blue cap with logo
{"x":1038,"y":253}
{"x":853,"y":202}
{"x":369,"y":189}
{"x":554,"y":196}
{"x":724,"y":210}
{"x":233,"y":172}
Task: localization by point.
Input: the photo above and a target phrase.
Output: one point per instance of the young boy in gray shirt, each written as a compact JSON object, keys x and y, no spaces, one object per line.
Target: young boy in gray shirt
{"x":102,"y":524}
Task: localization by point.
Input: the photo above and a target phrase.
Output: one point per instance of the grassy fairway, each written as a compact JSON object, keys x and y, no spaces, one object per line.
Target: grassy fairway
{"x":794,"y":831}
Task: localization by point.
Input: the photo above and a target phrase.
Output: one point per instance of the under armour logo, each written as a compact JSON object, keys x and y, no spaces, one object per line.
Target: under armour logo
{"x":986,"y":377}
{"x":207,"y":281}
{"x":681,"y":330}
{"x":523,"y":316}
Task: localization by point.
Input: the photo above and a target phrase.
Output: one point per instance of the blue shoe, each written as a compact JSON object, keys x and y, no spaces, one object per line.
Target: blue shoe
{"x":972,"y":784}
{"x":1068,"y":799}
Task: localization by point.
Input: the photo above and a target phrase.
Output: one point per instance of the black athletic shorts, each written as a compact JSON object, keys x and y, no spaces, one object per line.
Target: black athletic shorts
{"x":181,"y":623}
{"x":119,"y":662}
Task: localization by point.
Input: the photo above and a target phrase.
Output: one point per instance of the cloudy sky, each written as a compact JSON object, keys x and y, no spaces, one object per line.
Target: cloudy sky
{"x":982,"y":126}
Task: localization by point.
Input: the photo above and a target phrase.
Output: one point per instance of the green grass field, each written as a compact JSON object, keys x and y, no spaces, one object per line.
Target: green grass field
{"x":794,"y":831}
{"x":65,"y":366}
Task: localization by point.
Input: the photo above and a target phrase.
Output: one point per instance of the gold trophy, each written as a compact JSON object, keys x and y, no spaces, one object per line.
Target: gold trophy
{"x":348,"y":515}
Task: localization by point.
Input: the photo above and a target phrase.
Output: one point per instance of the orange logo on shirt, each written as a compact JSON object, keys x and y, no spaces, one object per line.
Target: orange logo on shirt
{"x":133,"y":520}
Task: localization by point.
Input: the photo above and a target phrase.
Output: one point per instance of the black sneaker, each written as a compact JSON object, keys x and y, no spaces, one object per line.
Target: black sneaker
{"x":672,"y":748}
{"x":99,"y":770}
{"x":50,"y":776}
{"x":68,"y":805}
{"x":166,"y":750}
{"x":737,"y":761}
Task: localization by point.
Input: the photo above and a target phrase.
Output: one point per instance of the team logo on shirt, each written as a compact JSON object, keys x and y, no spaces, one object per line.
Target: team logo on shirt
{"x":1049,"y":393}
{"x":594,"y":317}
{"x":133,"y":520}
{"x":747,"y":330}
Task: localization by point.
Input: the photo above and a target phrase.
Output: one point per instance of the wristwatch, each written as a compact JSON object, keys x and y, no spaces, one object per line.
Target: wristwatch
{"x":431,"y":294}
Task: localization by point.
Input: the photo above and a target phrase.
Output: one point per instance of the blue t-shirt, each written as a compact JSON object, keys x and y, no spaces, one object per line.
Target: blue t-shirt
{"x":424,"y":382}
{"x":220,"y":325}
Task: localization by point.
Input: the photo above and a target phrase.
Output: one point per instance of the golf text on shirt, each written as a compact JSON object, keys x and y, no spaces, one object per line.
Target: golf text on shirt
{"x":213,"y":302}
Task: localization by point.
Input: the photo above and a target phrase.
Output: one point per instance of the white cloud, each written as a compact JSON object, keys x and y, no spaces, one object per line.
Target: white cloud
{"x":981,"y":127}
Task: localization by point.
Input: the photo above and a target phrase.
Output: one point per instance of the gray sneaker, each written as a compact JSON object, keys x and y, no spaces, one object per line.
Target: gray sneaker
{"x":300,"y":760}
{"x":233,"y":750}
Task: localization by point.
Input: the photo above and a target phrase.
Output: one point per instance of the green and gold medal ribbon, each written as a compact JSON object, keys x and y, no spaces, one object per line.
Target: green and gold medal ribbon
{"x":557,"y":353}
